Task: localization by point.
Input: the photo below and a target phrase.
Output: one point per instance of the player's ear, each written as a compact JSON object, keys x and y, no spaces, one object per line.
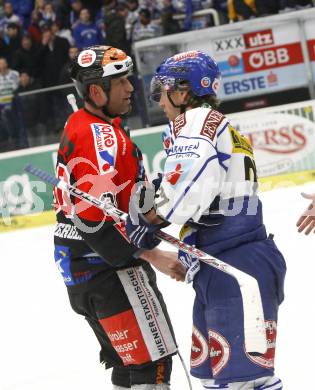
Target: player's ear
{"x":97,"y":94}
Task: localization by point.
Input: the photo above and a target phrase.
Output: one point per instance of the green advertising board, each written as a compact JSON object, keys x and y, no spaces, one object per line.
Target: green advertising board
{"x":26,"y":201}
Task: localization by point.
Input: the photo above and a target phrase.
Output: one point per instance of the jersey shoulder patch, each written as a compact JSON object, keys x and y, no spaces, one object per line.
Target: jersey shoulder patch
{"x":241,"y":144}
{"x":211,"y":124}
{"x":178,"y":124}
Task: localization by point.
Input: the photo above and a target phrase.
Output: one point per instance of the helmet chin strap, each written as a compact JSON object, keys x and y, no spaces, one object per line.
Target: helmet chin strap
{"x":182,"y":107}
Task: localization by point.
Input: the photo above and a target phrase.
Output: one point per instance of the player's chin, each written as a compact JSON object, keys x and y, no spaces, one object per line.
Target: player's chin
{"x":127,"y":109}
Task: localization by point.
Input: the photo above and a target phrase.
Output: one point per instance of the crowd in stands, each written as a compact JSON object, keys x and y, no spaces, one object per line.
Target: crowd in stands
{"x":38,"y":39}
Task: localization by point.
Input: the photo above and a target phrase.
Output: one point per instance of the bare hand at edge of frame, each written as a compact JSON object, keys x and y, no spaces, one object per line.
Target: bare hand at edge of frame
{"x":306,"y":222}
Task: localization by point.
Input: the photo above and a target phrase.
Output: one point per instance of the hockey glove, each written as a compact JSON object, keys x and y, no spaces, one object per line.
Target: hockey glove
{"x":188,"y":235}
{"x":140,"y":231}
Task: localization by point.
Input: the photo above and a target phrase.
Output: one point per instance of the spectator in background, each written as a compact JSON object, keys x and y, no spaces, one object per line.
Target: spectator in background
{"x":76,"y":7}
{"x":267,"y":7}
{"x":116,"y":35}
{"x":23,"y":8}
{"x":221,"y":6}
{"x":32,"y":120}
{"x":169,"y":24}
{"x":1,"y":9}
{"x":132,"y":17}
{"x":48,"y":14}
{"x":26,"y":57}
{"x":8,"y":17}
{"x":4,"y":50}
{"x":60,"y":31}
{"x":53,"y":55}
{"x":10,"y":136}
{"x":86,"y":33}
{"x":40,"y":6}
{"x":144,"y":28}
{"x":34,"y":29}
{"x":291,"y":5}
{"x":188,"y":7}
{"x":12,"y":38}
{"x":100,"y":21}
{"x":64,"y":77}
{"x":241,"y":10}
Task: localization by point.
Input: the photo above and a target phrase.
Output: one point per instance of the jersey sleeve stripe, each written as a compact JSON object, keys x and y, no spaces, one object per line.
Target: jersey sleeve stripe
{"x":221,"y":131}
{"x":190,"y":185}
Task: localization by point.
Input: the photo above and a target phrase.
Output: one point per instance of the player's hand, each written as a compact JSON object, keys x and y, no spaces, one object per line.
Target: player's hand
{"x":165,"y":262}
{"x":306,"y":222}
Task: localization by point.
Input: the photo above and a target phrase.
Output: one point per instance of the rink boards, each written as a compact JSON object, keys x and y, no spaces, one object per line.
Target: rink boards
{"x":283,"y":138}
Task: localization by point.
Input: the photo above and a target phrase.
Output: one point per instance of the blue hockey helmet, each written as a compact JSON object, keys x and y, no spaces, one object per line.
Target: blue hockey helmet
{"x":196,"y":68}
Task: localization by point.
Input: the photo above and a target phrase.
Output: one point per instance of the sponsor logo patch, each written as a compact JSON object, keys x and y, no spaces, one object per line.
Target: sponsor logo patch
{"x":149,"y":315}
{"x":199,"y":348}
{"x":220,"y":351}
{"x":267,"y":360}
{"x":104,"y":141}
{"x":86,"y":58}
{"x":126,"y":338}
{"x":173,"y":177}
{"x":211,"y":123}
{"x":187,"y":54}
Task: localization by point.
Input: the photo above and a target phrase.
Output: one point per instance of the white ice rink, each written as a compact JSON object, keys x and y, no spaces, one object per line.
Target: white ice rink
{"x":44,"y":345}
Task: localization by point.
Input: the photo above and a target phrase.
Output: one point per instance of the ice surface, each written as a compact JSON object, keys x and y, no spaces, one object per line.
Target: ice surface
{"x":44,"y":345}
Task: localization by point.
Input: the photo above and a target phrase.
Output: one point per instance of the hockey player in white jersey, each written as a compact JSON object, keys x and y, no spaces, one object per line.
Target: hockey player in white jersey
{"x":209,"y":185}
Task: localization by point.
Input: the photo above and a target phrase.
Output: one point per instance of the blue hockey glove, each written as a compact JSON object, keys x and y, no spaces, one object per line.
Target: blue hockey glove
{"x":140,"y":231}
{"x":188,"y":235}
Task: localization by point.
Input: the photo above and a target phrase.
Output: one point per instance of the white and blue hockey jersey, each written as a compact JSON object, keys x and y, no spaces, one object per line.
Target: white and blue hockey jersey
{"x":208,"y":163}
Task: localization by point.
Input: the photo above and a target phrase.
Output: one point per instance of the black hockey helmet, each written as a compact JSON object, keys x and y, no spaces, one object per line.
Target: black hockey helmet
{"x":98,"y":65}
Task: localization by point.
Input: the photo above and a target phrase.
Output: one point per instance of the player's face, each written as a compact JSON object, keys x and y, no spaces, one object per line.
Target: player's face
{"x":170,"y":111}
{"x":120,"y":95}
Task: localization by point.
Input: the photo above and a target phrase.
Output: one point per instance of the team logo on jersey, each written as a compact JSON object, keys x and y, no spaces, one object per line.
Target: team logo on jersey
{"x":86,"y":58}
{"x":267,"y":360}
{"x":211,"y":123}
{"x":220,"y":351}
{"x":166,"y":141}
{"x":173,"y":177}
{"x":104,"y":141}
{"x":199,"y":348}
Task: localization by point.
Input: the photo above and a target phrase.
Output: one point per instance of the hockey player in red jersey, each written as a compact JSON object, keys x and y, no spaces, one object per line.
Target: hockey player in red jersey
{"x":109,"y":280}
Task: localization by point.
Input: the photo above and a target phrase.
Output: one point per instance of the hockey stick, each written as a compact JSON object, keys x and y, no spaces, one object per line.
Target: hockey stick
{"x":254,"y":324}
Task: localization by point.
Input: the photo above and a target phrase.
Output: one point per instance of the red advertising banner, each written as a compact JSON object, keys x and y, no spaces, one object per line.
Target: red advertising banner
{"x":258,"y":39}
{"x":273,"y":57}
{"x":311,"y":49}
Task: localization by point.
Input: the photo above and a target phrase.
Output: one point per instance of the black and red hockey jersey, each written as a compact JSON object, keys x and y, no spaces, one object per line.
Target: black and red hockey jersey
{"x":99,"y":158}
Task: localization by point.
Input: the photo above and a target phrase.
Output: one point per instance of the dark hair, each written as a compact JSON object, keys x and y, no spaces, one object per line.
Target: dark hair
{"x":198,"y":101}
{"x":13,"y":25}
{"x":146,"y":12}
